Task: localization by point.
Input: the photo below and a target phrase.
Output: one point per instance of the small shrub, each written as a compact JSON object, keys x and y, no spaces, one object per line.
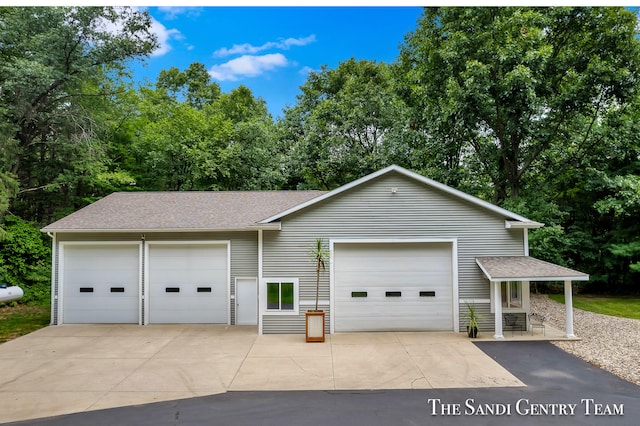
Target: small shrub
{"x":25,"y":259}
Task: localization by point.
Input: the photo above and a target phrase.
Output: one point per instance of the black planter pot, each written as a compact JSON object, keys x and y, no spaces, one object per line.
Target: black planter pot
{"x":472,"y":332}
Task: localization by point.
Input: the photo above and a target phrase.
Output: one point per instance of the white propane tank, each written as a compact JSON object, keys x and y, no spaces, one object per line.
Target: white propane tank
{"x":9,"y":294}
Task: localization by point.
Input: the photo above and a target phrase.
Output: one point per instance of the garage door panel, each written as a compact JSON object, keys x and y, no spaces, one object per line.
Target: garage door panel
{"x":101,"y":283}
{"x":378,"y":268}
{"x":100,"y":316}
{"x":184,"y":269}
{"x":88,"y":277}
{"x":384,"y":279}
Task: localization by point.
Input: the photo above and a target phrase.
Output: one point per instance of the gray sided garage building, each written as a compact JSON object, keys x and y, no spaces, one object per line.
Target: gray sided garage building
{"x":403,"y":254}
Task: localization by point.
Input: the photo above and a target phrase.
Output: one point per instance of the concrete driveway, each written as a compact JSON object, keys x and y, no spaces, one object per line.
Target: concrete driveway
{"x":553,"y":377}
{"x":68,"y":369}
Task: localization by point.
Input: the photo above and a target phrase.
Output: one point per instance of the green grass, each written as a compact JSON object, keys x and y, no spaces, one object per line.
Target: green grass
{"x":626,"y":307}
{"x":18,"y":320}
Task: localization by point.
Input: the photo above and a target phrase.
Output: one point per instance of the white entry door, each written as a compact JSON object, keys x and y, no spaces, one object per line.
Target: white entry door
{"x":246,"y":301}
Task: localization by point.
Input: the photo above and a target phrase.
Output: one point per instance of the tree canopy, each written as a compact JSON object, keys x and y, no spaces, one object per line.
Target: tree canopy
{"x":510,"y":86}
{"x":55,"y":65}
{"x":534,"y":109}
{"x":344,"y":125}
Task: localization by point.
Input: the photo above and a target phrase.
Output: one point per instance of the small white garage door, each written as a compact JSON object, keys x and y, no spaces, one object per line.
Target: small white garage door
{"x":393,"y":286}
{"x":100,"y":283}
{"x":188,"y":283}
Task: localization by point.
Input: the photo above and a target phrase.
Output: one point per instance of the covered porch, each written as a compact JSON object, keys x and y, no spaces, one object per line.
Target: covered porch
{"x":501,"y":270}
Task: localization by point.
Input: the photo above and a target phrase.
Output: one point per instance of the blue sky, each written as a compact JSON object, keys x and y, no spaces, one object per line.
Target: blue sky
{"x":272,"y":49}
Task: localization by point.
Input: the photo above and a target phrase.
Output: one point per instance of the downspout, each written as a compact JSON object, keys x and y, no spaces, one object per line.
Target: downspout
{"x":54,"y":272}
{"x":260,"y":242}
{"x":142,"y":296}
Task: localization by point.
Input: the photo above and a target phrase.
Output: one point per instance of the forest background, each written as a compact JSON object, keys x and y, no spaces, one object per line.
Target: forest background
{"x":533,"y":109}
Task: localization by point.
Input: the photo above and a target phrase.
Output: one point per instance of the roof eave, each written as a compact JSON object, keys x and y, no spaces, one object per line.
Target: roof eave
{"x":275,"y":226}
{"x":516,"y":224}
{"x":580,"y":277}
{"x":526,"y":278}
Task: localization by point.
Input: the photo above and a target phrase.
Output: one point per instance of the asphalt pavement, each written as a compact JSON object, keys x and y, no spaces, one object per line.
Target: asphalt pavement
{"x":560,"y":389}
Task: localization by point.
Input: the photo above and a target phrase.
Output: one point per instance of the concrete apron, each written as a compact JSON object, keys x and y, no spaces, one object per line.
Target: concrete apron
{"x":73,"y":368}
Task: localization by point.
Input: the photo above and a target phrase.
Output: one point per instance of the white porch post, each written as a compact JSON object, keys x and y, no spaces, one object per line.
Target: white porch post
{"x":497,"y":303}
{"x":568,"y":304}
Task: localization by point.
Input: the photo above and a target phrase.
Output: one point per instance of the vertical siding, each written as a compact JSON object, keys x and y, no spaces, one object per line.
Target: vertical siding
{"x":244,"y":250}
{"x":370,"y":211}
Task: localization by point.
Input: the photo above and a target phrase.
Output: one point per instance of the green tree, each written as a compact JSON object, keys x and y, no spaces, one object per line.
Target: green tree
{"x":25,"y":259}
{"x":499,"y":89}
{"x":8,"y":189}
{"x":192,"y":85}
{"x":54,"y":63}
{"x":169,"y":139}
{"x":346,"y":123}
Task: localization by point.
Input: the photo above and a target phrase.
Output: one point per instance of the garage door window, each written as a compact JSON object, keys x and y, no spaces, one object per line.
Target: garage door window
{"x":282,"y":295}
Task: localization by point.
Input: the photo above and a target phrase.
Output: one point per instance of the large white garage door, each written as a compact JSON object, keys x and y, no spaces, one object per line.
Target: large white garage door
{"x":188,"y":283}
{"x":100,"y":283}
{"x":393,"y":286}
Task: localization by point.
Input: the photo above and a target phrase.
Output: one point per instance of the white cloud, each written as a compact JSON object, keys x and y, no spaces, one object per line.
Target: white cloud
{"x":164,"y":36}
{"x":172,"y":12}
{"x":247,"y":66}
{"x":306,"y":70}
{"x":246,"y":48}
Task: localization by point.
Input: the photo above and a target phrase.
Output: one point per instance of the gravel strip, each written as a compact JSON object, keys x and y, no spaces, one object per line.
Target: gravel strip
{"x":610,"y":343}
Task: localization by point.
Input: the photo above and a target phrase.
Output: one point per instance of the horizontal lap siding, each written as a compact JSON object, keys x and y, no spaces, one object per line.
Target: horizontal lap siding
{"x":372,"y":211}
{"x":485,"y":322}
{"x":288,"y":324}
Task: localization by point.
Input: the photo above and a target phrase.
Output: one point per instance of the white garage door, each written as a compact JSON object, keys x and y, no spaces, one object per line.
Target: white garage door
{"x":188,"y":283}
{"x":393,"y":286}
{"x":100,"y":283}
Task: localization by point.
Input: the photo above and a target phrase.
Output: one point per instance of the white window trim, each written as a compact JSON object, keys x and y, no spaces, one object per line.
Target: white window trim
{"x":296,"y":296}
{"x":508,"y":286}
{"x":524,"y":298}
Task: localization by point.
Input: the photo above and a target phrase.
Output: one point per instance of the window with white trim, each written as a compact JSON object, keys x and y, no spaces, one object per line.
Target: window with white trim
{"x":511,"y":294}
{"x":281,"y":295}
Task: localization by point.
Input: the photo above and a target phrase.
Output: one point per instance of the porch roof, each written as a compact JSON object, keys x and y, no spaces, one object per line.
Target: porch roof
{"x":526,"y":268}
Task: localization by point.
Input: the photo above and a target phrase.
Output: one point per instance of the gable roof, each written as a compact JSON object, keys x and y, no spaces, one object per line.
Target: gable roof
{"x":523,"y":221}
{"x":181,"y":211}
{"x":229,"y":210}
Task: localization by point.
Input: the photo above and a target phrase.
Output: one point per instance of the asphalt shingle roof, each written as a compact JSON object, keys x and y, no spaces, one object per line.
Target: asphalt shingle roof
{"x":181,"y":210}
{"x":526,"y":268}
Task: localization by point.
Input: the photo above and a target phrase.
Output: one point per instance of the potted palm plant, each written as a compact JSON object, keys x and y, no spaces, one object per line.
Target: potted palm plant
{"x":472,"y":327}
{"x":315,"y":318}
